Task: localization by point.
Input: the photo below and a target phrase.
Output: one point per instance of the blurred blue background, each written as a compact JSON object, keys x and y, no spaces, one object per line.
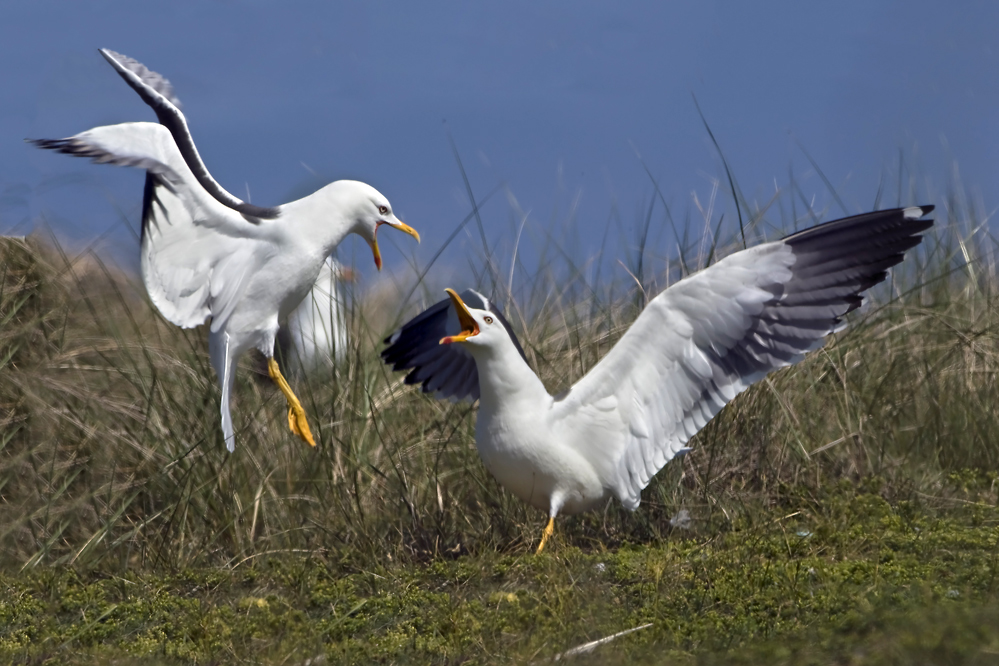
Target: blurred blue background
{"x":552,"y":100}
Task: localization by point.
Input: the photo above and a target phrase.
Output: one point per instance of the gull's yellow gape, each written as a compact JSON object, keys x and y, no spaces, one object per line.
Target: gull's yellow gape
{"x":693,"y":349}
{"x":208,"y":255}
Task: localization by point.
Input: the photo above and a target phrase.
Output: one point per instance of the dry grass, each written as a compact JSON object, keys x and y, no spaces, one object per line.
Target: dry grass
{"x":111,"y":452}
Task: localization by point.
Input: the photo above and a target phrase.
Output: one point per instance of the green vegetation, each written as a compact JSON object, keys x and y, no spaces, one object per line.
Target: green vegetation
{"x":836,"y":576}
{"x":842,"y":511}
{"x":845,"y":575}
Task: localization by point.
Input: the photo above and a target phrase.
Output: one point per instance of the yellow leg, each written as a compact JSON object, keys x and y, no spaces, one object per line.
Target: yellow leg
{"x":296,"y":415}
{"x":549,"y":530}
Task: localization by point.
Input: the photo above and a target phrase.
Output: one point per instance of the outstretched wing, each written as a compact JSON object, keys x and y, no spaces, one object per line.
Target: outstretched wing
{"x":196,"y":252}
{"x":709,"y":337}
{"x":447,"y":370}
{"x":200,"y":244}
{"x":157,"y":92}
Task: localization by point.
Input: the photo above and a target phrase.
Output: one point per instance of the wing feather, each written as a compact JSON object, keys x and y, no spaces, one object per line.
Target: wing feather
{"x":448,"y":371}
{"x":196,"y":253}
{"x":709,"y":337}
{"x":157,"y":92}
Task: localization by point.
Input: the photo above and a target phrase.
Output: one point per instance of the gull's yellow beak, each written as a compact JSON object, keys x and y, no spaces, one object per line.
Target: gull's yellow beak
{"x":405,"y":228}
{"x":401,"y":226}
{"x":468,"y":325}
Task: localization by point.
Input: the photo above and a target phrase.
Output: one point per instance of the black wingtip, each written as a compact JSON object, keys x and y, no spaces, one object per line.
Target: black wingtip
{"x":60,"y":145}
{"x":903,"y":221}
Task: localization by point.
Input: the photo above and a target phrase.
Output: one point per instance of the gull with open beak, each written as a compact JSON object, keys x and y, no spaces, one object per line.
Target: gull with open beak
{"x":207,"y":254}
{"x":694,"y":348}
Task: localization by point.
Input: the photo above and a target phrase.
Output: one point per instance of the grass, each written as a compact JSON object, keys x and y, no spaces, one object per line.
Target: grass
{"x":842,"y":511}
{"x":842,"y":575}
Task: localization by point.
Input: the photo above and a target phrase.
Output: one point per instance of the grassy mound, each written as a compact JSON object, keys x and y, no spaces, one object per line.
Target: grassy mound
{"x":845,"y":506}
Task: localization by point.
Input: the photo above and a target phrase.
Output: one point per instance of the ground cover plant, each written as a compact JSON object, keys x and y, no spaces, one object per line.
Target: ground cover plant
{"x":841,"y":511}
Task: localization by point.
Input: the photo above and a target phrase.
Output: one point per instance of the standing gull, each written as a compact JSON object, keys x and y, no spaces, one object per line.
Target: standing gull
{"x":694,"y":348}
{"x":206,"y":253}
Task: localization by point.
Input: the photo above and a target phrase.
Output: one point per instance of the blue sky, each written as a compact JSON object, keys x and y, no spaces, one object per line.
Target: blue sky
{"x":552,"y":99}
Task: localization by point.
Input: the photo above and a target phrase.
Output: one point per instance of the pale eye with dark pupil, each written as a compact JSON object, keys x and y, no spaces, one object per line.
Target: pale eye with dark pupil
{"x":382,"y":210}
{"x":488,"y":320}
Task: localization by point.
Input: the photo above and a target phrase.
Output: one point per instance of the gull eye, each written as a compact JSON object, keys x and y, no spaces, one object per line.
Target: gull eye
{"x":383,"y":210}
{"x":488,"y":319}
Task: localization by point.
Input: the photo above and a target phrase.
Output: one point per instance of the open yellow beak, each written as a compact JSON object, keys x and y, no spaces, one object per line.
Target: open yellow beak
{"x":401,"y":226}
{"x":468,"y":325}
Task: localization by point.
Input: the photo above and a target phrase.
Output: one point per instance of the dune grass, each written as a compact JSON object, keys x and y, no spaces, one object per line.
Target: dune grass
{"x":841,"y":511}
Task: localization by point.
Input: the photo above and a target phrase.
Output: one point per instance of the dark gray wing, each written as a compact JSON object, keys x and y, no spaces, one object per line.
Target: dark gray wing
{"x":447,"y":370}
{"x":835,"y":262}
{"x":157,"y":92}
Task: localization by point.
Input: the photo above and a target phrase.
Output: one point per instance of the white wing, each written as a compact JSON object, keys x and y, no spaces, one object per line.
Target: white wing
{"x":157,"y":92}
{"x":315,"y":335}
{"x":196,"y":252}
{"x":709,"y":337}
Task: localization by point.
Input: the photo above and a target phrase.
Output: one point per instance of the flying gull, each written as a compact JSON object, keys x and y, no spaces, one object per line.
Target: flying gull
{"x":694,"y":348}
{"x":206,"y":253}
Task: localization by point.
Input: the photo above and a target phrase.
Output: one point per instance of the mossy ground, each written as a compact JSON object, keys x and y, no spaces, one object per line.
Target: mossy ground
{"x":849,"y":578}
